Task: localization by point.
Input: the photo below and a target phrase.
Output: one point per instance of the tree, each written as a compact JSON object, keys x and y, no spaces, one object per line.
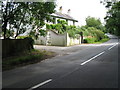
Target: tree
{"x":93,"y":22}
{"x":113,"y":17}
{"x":21,"y":16}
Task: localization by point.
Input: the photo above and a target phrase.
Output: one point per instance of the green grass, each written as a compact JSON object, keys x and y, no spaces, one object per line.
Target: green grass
{"x":25,"y":58}
{"x":92,"y":40}
{"x":102,"y":41}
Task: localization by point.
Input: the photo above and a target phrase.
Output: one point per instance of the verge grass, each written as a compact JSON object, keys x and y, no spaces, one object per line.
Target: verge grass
{"x":25,"y":58}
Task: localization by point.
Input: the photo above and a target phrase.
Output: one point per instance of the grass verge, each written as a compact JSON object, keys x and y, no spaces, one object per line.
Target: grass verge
{"x":92,"y":41}
{"x":102,"y":41}
{"x":25,"y":58}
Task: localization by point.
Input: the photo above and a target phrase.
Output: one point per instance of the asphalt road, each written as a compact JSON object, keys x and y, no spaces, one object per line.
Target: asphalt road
{"x":94,"y":66}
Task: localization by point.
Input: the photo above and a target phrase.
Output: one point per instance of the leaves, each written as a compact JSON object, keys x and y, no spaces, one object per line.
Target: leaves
{"x":93,"y":22}
{"x":20,"y":14}
{"x":113,"y":18}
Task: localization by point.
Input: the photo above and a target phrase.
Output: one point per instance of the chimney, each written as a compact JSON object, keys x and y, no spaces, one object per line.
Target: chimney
{"x":60,"y":9}
{"x":69,"y":11}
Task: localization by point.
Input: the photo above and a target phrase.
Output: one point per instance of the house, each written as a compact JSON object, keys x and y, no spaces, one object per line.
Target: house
{"x":62,"y":16}
{"x":55,"y":39}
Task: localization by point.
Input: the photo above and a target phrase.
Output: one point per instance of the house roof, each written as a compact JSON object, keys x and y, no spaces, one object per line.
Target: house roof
{"x":63,"y":16}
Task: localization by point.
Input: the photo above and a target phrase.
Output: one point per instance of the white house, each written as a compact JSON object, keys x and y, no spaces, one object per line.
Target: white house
{"x":64,"y":16}
{"x":53,"y":38}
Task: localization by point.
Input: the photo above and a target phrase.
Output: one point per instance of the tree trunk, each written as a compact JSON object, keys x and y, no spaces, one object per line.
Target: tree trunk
{"x":5,"y":28}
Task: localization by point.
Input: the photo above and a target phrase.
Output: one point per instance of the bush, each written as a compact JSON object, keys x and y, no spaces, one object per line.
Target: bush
{"x":89,"y":40}
{"x":99,"y":35}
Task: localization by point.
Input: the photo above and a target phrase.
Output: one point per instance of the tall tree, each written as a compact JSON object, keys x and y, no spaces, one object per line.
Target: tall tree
{"x":94,"y":22}
{"x":19,"y":16}
{"x":113,"y":17}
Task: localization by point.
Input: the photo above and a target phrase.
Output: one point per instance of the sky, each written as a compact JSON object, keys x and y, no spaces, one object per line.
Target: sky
{"x":80,"y":9}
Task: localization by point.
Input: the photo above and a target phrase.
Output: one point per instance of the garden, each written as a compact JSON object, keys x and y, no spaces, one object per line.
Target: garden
{"x":93,"y":31}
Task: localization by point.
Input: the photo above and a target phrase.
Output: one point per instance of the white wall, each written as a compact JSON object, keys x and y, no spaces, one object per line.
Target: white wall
{"x":73,"y":41}
{"x":55,"y":39}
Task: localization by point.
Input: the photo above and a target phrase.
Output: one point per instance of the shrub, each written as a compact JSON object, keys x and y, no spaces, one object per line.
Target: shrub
{"x":21,"y":37}
{"x":99,"y":35}
{"x":48,"y":26}
{"x":89,"y":40}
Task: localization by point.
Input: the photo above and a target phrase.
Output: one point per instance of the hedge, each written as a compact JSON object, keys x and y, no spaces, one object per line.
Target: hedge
{"x":12,"y":46}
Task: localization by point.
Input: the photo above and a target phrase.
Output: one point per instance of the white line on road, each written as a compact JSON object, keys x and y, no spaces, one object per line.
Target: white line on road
{"x":38,"y":85}
{"x":112,"y":46}
{"x":92,"y":58}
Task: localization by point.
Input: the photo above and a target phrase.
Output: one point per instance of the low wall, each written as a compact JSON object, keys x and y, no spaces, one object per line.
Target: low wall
{"x":73,"y":41}
{"x":12,"y":46}
{"x":56,"y":39}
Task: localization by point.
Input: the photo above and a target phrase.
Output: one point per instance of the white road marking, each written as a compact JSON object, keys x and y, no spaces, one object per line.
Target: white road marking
{"x":92,"y":58}
{"x":38,"y":85}
{"x":112,"y":46}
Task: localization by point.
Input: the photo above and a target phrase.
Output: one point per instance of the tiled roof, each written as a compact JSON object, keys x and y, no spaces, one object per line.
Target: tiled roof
{"x":64,"y":16}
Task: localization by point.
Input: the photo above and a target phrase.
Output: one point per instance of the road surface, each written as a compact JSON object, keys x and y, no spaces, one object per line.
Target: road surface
{"x":92,"y":66}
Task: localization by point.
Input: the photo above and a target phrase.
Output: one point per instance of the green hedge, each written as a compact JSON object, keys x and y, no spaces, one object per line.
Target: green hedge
{"x":13,"y":46}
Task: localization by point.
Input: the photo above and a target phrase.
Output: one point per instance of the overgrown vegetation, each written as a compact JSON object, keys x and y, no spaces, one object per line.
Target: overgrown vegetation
{"x":92,"y":35}
{"x":25,"y":58}
{"x":113,"y":16}
{"x":93,"y":31}
{"x":62,"y":27}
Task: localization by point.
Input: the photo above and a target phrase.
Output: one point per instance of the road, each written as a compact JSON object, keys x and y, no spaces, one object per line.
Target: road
{"x":93,"y":66}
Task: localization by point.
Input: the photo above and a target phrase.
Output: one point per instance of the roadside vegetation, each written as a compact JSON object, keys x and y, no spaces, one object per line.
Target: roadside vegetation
{"x":112,"y":17}
{"x":19,"y":17}
{"x":23,"y":16}
{"x":25,"y":58}
{"x":93,"y":31}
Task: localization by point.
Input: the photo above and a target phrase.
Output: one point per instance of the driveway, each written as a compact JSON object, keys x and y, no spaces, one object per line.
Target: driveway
{"x":60,"y":51}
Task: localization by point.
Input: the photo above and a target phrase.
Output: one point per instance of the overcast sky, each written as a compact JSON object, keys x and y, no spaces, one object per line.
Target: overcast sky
{"x":80,"y":9}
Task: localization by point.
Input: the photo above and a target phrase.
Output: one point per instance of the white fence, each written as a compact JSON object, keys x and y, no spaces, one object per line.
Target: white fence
{"x":55,"y":39}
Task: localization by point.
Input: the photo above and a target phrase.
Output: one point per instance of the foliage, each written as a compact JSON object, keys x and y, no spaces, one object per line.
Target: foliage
{"x":92,"y":40}
{"x":113,"y":17}
{"x":21,"y":37}
{"x":94,"y":22}
{"x":62,"y":26}
{"x":19,"y":16}
{"x":9,"y":33}
{"x":92,"y":34}
{"x":89,"y":40}
{"x":73,"y":31}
